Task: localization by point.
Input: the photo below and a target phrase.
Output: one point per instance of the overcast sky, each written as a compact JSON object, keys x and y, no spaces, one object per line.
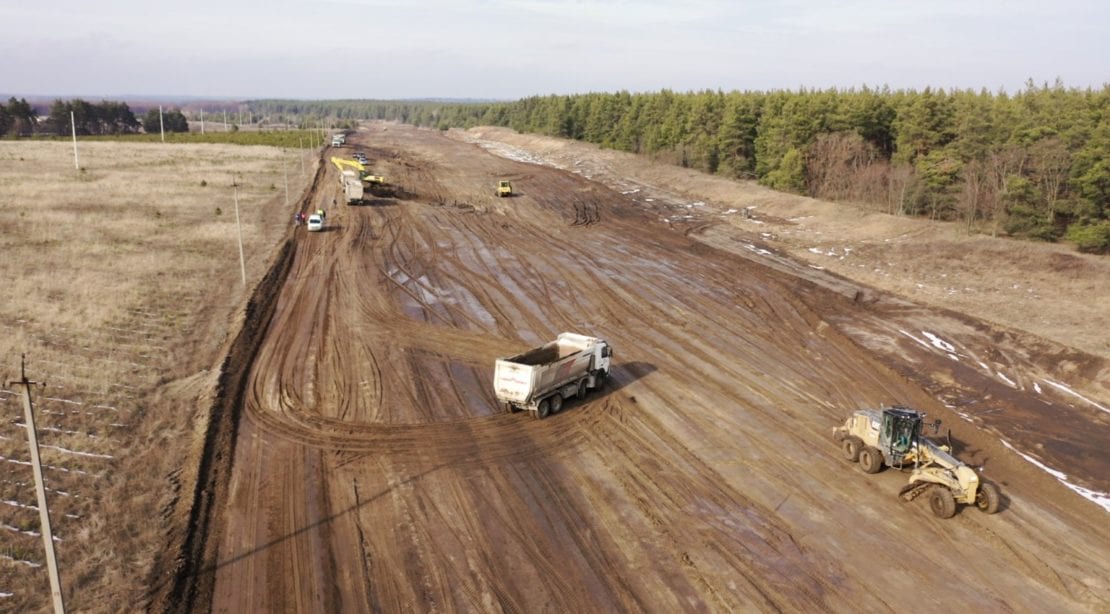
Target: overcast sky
{"x":514,"y":48}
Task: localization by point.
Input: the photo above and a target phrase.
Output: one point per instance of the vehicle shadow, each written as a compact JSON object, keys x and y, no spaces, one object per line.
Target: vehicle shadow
{"x":375,"y":202}
{"x":620,"y":376}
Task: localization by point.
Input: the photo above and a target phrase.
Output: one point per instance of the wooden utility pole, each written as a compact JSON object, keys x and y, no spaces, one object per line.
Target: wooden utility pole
{"x":40,"y":488}
{"x":239,"y":227}
{"x":73,"y":126}
{"x":161,"y":125}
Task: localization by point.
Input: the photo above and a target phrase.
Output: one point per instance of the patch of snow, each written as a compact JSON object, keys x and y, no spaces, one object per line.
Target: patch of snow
{"x":819,"y":268}
{"x":631,"y":191}
{"x":45,"y":466}
{"x":729,"y":211}
{"x":1064,"y":388}
{"x":984,"y":365}
{"x":1012,"y":383}
{"x":52,"y":429}
{"x":920,"y":342}
{"x":758,"y":250}
{"x":650,"y":200}
{"x":1098,"y":498}
{"x":939,"y":343}
{"x":30,"y":533}
{"x":5,"y":595}
{"x":27,"y":563}
{"x":954,"y":357}
{"x":78,"y":453}
{"x":20,"y":505}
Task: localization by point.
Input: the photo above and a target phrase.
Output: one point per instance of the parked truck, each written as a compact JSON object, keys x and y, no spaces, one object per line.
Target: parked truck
{"x":352,"y":187}
{"x":542,"y":378}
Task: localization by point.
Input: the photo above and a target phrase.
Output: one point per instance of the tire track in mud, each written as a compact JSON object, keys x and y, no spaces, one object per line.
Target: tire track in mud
{"x":703,"y":477}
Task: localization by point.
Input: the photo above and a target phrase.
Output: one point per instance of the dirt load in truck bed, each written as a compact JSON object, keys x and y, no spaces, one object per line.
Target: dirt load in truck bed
{"x":374,"y":470}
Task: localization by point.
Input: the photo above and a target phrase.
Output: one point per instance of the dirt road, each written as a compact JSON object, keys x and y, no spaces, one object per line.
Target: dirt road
{"x":373,"y":470}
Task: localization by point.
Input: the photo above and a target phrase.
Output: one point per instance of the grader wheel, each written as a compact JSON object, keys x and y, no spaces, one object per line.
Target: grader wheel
{"x":988,"y":498}
{"x":941,"y":502}
{"x":870,"y":460}
{"x":851,"y":446}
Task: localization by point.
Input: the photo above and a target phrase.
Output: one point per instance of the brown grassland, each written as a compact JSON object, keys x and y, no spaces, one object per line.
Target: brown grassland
{"x":121,"y":283}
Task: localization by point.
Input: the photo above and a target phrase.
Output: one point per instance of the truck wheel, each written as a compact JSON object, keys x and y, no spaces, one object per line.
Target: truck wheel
{"x":543,"y":410}
{"x":556,"y":403}
{"x":850,"y":446}
{"x":941,"y":502}
{"x":870,"y":459}
{"x":582,"y":389}
{"x":988,"y":498}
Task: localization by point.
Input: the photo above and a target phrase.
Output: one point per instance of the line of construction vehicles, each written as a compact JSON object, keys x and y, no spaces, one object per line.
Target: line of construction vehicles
{"x":355,"y":180}
{"x":542,"y":379}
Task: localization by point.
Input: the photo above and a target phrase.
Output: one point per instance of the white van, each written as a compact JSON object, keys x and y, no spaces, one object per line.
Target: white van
{"x":315,"y":223}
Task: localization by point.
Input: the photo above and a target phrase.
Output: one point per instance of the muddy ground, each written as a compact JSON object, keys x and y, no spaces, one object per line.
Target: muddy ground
{"x":372,"y":468}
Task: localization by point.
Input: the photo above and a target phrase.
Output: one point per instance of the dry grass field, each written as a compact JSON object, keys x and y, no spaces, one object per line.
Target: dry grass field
{"x":120,"y":283}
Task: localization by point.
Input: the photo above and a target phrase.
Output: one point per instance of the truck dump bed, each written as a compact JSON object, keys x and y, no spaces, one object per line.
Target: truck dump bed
{"x":525,"y":376}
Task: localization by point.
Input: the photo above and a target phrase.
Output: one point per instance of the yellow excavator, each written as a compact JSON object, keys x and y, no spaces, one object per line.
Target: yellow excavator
{"x":892,"y":437}
{"x":364,"y":174}
{"x":350,"y":179}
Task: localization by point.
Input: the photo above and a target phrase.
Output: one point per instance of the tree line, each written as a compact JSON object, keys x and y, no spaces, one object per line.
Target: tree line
{"x":18,"y":118}
{"x":1032,"y":164}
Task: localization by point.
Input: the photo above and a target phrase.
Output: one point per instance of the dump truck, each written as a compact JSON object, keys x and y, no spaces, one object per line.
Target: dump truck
{"x":350,"y":179}
{"x":891,"y":437}
{"x":352,"y":187}
{"x":504,"y":188}
{"x":542,"y":378}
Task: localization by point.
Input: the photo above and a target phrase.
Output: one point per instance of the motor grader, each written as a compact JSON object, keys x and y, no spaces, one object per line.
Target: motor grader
{"x":892,"y":437}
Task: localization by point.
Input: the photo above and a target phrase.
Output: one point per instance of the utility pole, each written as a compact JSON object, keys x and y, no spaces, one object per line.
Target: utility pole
{"x":202,"y":121}
{"x":73,"y":126}
{"x":242,"y":259}
{"x":161,"y":125}
{"x":40,"y":488}
{"x":225,"y":120}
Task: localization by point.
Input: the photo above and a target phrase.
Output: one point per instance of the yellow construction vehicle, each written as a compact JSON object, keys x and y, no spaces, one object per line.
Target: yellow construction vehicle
{"x":364,"y":174}
{"x":892,"y":437}
{"x":349,"y":179}
{"x":504,"y":188}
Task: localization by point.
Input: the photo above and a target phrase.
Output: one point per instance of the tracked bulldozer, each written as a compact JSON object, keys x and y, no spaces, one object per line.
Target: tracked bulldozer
{"x":891,"y":437}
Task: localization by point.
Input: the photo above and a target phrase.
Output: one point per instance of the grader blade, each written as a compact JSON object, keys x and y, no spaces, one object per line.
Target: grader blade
{"x":911,"y":491}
